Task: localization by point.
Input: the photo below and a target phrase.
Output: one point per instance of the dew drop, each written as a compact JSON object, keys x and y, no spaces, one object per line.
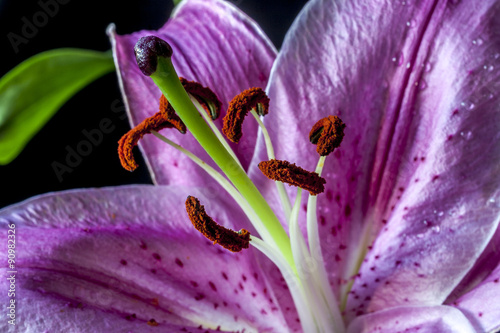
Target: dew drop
{"x":423,"y":84}
{"x":436,"y":229}
{"x":398,"y":59}
{"x":466,"y":135}
{"x":408,"y":65}
{"x":428,"y":67}
{"x":493,"y":202}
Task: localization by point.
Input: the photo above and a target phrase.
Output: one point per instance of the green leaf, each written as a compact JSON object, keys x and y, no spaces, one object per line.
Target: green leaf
{"x":176,"y":2}
{"x":32,"y":92}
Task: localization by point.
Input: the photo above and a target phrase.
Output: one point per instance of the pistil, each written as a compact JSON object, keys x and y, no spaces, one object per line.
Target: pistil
{"x":154,"y":60}
{"x":316,"y":304}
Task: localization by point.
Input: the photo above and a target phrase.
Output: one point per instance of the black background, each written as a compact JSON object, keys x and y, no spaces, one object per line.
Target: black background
{"x":82,"y":24}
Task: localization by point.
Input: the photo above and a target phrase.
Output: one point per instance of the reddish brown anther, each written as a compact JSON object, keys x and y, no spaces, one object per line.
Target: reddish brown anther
{"x":168,"y":113}
{"x":239,"y":108}
{"x":286,"y":172}
{"x":228,"y":239}
{"x":129,"y":140}
{"x":206,"y":97}
{"x":166,"y":118}
{"x":327,"y":133}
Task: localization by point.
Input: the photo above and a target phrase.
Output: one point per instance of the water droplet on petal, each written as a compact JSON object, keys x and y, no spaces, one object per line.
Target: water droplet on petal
{"x":436,"y":229}
{"x":411,"y":23}
{"x":408,"y":65}
{"x":423,"y":84}
{"x":428,"y":67}
{"x":398,"y":59}
{"x":466,"y":135}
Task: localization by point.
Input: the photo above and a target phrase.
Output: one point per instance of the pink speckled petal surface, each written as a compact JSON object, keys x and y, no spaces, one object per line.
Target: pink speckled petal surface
{"x":417,"y":85}
{"x":118,"y":252}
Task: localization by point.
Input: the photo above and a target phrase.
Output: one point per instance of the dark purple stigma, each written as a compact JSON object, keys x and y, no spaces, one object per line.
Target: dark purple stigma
{"x":147,"y":50}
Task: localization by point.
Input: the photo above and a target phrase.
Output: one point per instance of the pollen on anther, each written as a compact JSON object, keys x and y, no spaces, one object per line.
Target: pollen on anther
{"x":206,"y":97}
{"x":132,"y":137}
{"x":229,"y":239}
{"x":168,"y":113}
{"x":327,"y":133}
{"x":291,"y":174}
{"x":240,"y":105}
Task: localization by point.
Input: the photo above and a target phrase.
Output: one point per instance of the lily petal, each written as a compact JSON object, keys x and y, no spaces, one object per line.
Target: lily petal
{"x":484,"y":266}
{"x":442,"y":319}
{"x":130,"y":254}
{"x":215,"y":44}
{"x":481,"y":304}
{"x":40,"y":313}
{"x":421,"y":110}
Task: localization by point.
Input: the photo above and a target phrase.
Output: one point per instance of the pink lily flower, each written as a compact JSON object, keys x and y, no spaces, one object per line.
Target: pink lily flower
{"x":404,"y":238}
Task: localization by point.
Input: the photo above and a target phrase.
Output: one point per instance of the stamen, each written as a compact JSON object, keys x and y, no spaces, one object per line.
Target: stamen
{"x":206,"y":97}
{"x":228,"y":239}
{"x":165,"y":77}
{"x":169,"y":114}
{"x":327,"y":133}
{"x":238,"y":109}
{"x":130,"y":139}
{"x":291,"y":174}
